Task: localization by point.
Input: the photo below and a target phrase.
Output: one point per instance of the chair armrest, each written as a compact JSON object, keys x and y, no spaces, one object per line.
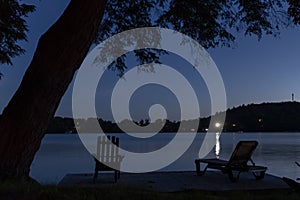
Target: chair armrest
{"x":252,"y":162}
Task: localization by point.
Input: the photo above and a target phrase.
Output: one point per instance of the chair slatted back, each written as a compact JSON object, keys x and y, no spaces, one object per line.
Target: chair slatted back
{"x":242,"y":153}
{"x":107,"y":150}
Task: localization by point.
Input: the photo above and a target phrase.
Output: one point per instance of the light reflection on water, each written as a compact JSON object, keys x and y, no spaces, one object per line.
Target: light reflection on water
{"x":64,"y":153}
{"x":218,"y":145}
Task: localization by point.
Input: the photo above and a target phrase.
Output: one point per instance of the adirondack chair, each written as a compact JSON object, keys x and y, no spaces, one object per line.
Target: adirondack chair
{"x":107,"y":157}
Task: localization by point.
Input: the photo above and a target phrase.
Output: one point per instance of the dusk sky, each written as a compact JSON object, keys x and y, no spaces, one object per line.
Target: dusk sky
{"x":253,"y":71}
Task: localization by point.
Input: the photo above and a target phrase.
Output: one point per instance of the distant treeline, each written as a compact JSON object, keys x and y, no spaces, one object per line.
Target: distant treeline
{"x":265,"y":117}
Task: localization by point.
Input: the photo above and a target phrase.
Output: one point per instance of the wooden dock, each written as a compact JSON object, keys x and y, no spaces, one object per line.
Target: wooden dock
{"x":177,"y":181}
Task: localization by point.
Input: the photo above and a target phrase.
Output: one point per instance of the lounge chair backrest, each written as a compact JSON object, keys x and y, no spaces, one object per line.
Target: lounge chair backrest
{"x":242,"y":153}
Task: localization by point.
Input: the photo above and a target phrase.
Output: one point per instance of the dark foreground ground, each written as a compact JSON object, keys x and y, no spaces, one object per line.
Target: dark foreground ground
{"x":134,"y":193}
{"x":150,"y":186}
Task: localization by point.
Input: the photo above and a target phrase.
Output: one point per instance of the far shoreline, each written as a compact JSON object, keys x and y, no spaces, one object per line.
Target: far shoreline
{"x":223,"y":132}
{"x":264,"y":117}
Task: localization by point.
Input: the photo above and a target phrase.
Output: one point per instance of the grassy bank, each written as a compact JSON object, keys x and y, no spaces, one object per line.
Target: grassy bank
{"x":17,"y":190}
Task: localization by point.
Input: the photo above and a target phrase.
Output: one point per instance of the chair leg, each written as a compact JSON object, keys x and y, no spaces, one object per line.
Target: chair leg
{"x":198,"y":168}
{"x":259,"y":176}
{"x":231,"y":176}
{"x":197,"y":163}
{"x":119,"y":174}
{"x":116,"y":176}
{"x":95,"y":176}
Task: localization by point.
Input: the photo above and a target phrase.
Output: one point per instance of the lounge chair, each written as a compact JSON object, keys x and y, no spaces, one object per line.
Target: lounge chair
{"x":298,"y":164}
{"x":238,"y":162}
{"x":293,"y":184}
{"x":107,"y":152}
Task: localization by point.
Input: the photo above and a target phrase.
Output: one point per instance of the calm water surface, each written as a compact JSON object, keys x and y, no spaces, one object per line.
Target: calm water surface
{"x":64,"y":153}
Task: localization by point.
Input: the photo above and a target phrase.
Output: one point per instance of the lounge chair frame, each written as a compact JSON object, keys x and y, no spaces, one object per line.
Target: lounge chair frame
{"x":238,"y":162}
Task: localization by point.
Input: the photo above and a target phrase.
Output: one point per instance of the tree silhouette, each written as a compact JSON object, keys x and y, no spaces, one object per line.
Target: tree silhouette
{"x":62,"y":48}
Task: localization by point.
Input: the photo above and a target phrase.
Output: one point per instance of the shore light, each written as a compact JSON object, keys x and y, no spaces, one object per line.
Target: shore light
{"x":217,"y":124}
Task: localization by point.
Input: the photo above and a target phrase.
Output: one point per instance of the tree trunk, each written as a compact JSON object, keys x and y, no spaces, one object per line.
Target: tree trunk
{"x":59,"y":53}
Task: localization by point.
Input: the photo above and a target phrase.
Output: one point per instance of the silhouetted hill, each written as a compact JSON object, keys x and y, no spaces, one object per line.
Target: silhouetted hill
{"x":271,"y":117}
{"x":265,"y":117}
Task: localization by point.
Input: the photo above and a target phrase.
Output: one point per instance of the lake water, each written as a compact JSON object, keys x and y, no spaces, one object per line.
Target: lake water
{"x":64,"y":153}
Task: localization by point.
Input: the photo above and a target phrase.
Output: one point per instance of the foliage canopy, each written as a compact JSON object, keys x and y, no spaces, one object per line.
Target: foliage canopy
{"x":12,"y":28}
{"x":211,"y":23}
